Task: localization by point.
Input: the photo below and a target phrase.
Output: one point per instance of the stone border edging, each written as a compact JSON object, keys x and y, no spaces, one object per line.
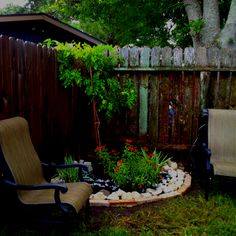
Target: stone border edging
{"x":134,"y":202}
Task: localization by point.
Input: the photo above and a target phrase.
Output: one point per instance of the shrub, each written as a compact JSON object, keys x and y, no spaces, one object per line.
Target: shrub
{"x":134,"y":168}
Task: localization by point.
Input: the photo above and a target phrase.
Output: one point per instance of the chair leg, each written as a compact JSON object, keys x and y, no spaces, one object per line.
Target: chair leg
{"x":87,"y":212}
{"x":207,"y":187}
{"x":209,"y":177}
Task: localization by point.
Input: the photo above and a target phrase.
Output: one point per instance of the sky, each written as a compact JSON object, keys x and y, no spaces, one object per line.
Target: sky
{"x":3,"y":3}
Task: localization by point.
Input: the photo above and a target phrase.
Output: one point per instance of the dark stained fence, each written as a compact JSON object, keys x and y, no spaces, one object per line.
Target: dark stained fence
{"x":29,"y":87}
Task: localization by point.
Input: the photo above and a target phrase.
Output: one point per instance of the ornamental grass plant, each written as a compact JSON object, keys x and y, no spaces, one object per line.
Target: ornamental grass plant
{"x":133,"y":168}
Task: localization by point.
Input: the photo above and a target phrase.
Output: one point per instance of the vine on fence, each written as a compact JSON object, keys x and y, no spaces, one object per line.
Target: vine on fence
{"x":91,"y":68}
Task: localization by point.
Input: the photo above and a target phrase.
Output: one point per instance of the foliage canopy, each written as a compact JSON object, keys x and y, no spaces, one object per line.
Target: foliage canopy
{"x":143,"y":23}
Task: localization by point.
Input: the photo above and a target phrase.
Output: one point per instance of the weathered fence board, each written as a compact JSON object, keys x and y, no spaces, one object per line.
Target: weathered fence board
{"x":167,"y":58}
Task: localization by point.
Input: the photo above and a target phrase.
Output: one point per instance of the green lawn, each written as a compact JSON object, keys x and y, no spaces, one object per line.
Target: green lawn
{"x":187,"y":215}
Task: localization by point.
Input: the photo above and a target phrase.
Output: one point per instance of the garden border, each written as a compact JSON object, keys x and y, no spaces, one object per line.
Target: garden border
{"x":134,"y":202}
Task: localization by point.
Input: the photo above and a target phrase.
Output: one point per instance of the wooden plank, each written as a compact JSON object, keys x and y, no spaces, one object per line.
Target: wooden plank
{"x":166,"y":59}
{"x":222,"y":84}
{"x":228,"y":91}
{"x":124,"y":53}
{"x":8,"y":83}
{"x":143,"y":108}
{"x":164,"y":108}
{"x":175,"y":98}
{"x":216,"y":88}
{"x":145,"y":57}
{"x":213,"y":57}
{"x":132,"y":116}
{"x":201,"y":57}
{"x":232,"y":103}
{"x":233,"y":57}
{"x":19,"y":76}
{"x":189,"y":56}
{"x":225,"y":57}
{"x":178,"y":57}
{"x":154,"y":109}
{"x":134,"y":57}
{"x":196,"y":106}
{"x":4,"y":102}
{"x":155,"y":56}
{"x":188,"y":109}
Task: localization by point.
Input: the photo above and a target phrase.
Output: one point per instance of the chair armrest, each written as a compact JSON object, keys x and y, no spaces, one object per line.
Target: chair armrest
{"x":58,"y":188}
{"x":63,"y":166}
{"x":61,"y":187}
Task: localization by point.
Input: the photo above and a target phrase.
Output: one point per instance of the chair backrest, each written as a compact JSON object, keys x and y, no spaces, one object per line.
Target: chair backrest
{"x":18,"y":151}
{"x":222,"y":137}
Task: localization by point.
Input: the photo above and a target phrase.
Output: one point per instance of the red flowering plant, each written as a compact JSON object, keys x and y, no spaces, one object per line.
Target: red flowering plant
{"x":134,"y":168}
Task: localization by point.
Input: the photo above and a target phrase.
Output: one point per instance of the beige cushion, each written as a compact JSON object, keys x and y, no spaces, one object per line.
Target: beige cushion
{"x":222,"y":141}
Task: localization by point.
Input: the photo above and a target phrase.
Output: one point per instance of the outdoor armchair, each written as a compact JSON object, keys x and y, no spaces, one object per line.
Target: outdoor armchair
{"x":22,"y":172}
{"x":216,"y":148}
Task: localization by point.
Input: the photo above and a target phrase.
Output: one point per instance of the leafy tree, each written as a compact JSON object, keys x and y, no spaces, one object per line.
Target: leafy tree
{"x":12,"y":9}
{"x":194,"y":22}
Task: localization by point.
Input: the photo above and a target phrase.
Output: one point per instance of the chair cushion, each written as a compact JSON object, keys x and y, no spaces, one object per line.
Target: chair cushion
{"x":222,"y":141}
{"x":77,"y":195}
{"x":224,"y":168}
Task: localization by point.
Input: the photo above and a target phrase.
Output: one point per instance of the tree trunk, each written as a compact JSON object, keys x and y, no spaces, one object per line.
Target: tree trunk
{"x":193,"y":10}
{"x":211,"y":17}
{"x":228,"y":34}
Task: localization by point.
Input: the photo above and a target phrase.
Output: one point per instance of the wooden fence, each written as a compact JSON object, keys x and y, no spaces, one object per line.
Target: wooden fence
{"x":172,"y":86}
{"x":29,"y":87}
{"x":187,"y":79}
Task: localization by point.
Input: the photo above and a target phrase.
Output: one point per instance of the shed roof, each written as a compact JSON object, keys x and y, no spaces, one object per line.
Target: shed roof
{"x":38,"y":27}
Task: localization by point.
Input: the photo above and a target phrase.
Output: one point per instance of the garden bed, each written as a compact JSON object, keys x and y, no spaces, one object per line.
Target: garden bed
{"x":166,"y":189}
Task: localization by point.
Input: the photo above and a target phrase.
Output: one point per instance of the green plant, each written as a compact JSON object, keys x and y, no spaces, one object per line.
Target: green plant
{"x":133,"y":168}
{"x":91,"y":68}
{"x":196,"y":25}
{"x":68,"y":174}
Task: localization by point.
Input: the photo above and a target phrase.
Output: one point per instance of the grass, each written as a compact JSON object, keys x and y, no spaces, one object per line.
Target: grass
{"x":187,"y":215}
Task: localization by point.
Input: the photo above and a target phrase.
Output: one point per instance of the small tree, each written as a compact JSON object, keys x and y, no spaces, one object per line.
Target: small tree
{"x":91,"y":68}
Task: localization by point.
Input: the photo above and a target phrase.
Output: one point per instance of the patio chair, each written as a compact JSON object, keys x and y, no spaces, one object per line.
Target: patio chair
{"x":22,"y":172}
{"x":217,"y":139}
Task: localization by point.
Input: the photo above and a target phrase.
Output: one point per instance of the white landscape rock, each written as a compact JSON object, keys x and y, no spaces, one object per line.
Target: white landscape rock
{"x":120,"y":192}
{"x":136,"y":195}
{"x":127,"y":196}
{"x":158,"y":191}
{"x":146,"y":195}
{"x":113,"y":196}
{"x":173,"y":165}
{"x":98,"y":196}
